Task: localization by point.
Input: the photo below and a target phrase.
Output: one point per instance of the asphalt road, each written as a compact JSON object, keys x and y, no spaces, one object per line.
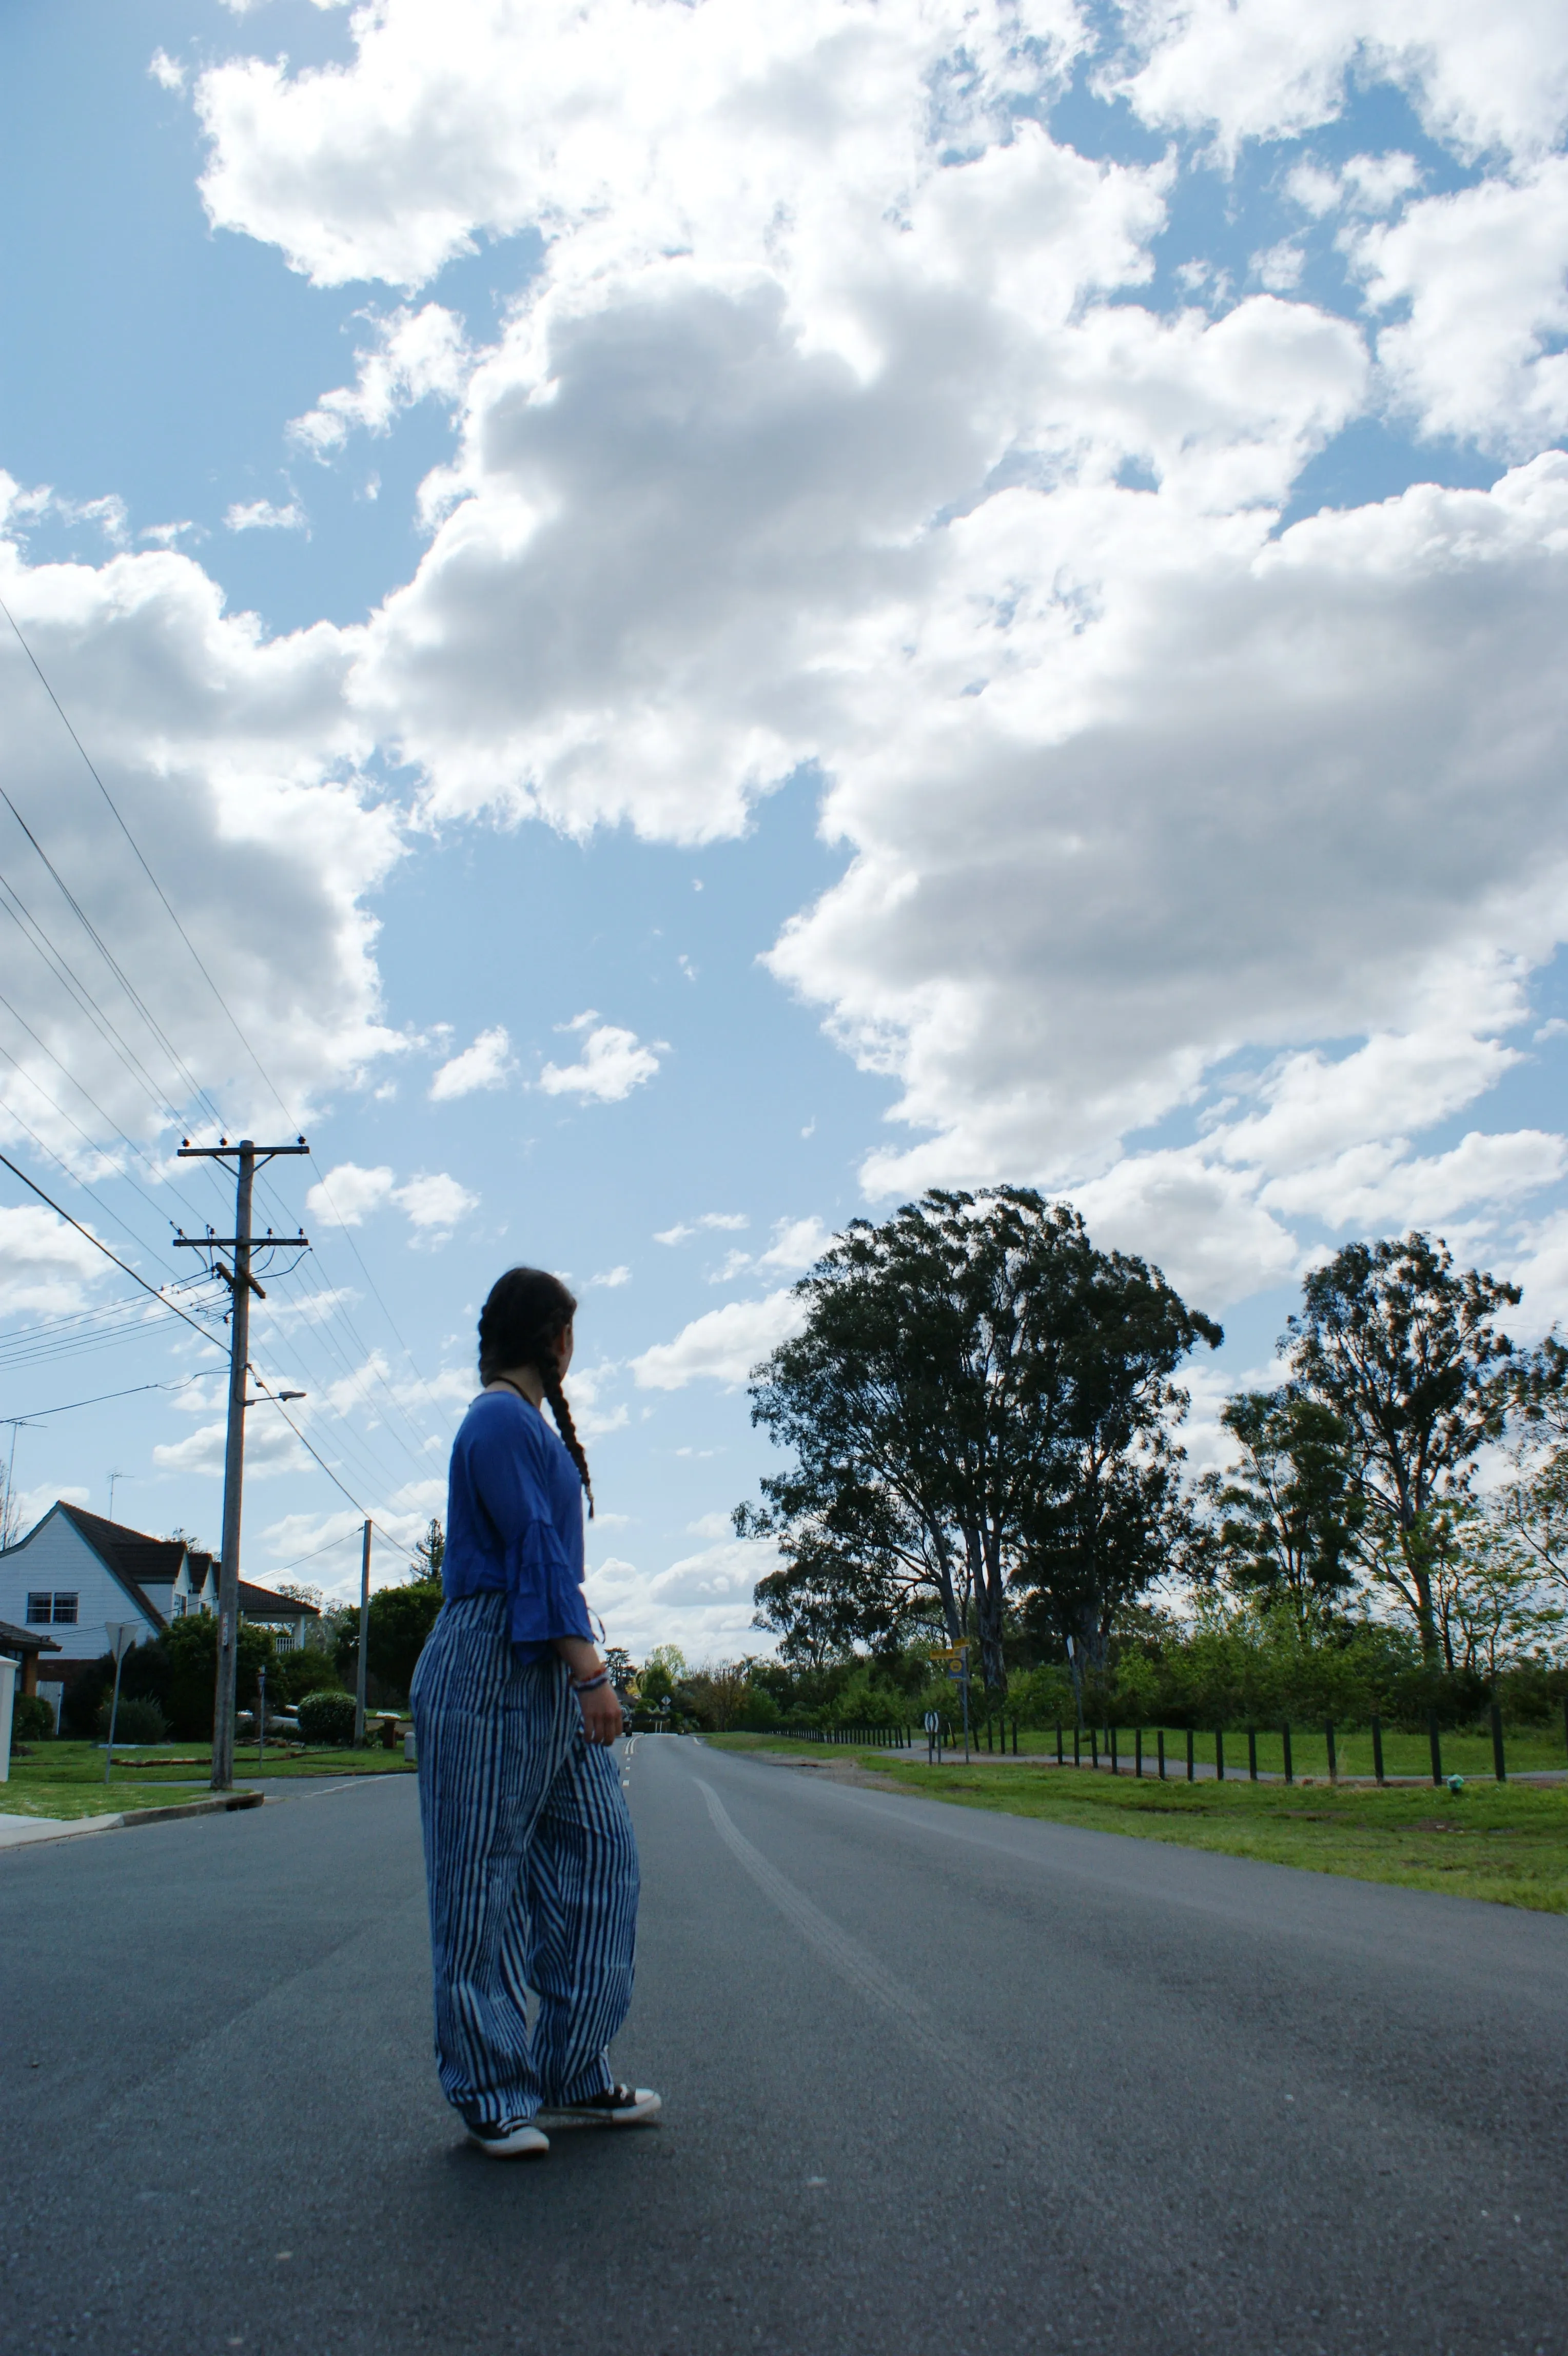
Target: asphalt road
{"x":936,"y":2081}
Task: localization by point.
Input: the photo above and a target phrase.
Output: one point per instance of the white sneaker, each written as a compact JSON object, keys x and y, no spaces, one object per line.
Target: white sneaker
{"x":617,"y":2106}
{"x":510,"y":2139}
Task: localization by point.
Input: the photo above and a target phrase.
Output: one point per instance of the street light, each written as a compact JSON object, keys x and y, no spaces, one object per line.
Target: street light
{"x":276,"y":1398}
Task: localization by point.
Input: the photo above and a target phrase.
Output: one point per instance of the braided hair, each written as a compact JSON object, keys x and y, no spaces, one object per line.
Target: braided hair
{"x":525,"y":1313}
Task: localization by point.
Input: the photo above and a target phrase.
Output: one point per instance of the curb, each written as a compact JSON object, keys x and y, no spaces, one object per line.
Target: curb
{"x":222,"y":1804}
{"x":52,"y":1828}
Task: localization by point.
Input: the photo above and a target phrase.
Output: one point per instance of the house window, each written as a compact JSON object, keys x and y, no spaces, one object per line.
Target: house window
{"x":180,"y":1602}
{"x":65,"y":1607}
{"x":40,"y":1610}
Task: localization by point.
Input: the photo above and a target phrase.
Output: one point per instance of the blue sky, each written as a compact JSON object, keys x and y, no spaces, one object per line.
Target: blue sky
{"x":803,"y":608}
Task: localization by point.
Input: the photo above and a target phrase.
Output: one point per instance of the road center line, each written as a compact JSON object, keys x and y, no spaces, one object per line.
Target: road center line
{"x":871,"y":1979}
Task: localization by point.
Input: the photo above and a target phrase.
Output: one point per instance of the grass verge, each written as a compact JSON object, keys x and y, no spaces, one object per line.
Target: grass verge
{"x":66,"y":1779}
{"x":1507,"y":1843}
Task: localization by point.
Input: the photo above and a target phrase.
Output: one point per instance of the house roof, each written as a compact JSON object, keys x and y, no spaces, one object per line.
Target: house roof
{"x":138,"y":1562}
{"x":25,"y":1640}
{"x":131,"y":1554}
{"x":261,"y":1604}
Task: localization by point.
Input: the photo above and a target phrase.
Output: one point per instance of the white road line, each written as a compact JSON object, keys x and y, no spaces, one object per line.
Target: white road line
{"x":870,"y":1979}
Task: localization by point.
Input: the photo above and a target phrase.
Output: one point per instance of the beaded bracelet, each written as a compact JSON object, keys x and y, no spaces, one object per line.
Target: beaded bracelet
{"x":588,"y":1684}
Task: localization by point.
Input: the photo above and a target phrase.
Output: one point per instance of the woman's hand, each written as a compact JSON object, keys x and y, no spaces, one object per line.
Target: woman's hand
{"x":602,"y":1720}
{"x":601,"y":1714}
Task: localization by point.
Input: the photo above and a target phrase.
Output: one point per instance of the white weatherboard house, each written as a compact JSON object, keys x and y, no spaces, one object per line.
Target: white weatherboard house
{"x":74,"y":1573}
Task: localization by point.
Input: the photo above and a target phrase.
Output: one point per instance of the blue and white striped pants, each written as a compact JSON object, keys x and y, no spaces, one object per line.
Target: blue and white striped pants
{"x":531,"y":1865}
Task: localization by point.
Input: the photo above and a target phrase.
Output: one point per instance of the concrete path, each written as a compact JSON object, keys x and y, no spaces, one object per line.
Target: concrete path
{"x":939,"y":2083}
{"x":15,"y":1832}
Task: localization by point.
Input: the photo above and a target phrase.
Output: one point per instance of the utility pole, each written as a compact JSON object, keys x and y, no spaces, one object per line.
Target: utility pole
{"x":248,"y":1157}
{"x":364,"y":1641}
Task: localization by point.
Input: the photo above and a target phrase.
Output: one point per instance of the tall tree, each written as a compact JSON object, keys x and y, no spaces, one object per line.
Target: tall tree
{"x":1286,"y":1517}
{"x":1107,"y":1335}
{"x":1404,"y":1350}
{"x":961,"y":1407}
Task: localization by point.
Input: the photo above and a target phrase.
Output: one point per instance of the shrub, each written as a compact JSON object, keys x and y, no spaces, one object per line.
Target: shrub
{"x":305,"y":1670}
{"x":863,"y":1700}
{"x":79,"y":1710}
{"x":327,"y":1718}
{"x":32,"y":1720}
{"x":136,"y":1720}
{"x":400,"y":1620}
{"x":191,"y":1645}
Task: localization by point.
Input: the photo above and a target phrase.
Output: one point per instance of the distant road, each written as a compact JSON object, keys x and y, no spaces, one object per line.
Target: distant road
{"x":935,"y":2080}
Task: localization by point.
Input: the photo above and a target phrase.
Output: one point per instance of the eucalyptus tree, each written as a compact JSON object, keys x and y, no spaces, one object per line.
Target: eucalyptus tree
{"x":1286,"y":1517}
{"x":1405,"y":1351}
{"x":978,"y":1402}
{"x":1112,"y":1516}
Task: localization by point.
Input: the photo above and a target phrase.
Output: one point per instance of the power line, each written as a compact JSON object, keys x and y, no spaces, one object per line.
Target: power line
{"x":299,"y":1563}
{"x":199,"y":1094}
{"x":407,"y":1552}
{"x":136,"y":849}
{"x":206,"y":1335}
{"x":38,"y":1413}
{"x":162,"y":1298}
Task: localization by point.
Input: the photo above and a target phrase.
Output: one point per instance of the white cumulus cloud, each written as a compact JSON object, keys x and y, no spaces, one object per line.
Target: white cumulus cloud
{"x":263,"y":515}
{"x":433,"y":1201}
{"x":613,"y":1063}
{"x":486,"y":1064}
{"x":840,"y":429}
{"x":45,"y":1265}
{"x":722,"y":1346}
{"x":417,"y":355}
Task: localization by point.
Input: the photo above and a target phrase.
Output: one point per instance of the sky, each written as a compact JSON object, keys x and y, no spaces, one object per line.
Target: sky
{"x":692,"y":619}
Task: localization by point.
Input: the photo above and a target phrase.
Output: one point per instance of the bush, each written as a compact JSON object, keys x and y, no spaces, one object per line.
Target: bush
{"x":79,"y":1710}
{"x":400,"y":1620}
{"x":191,"y":1647}
{"x":305,"y":1670}
{"x":863,"y":1700}
{"x":136,"y":1720}
{"x":32,"y":1720}
{"x":327,"y":1720}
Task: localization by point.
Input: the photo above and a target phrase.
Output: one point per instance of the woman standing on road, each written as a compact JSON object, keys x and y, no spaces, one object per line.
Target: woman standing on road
{"x":529,"y":1850}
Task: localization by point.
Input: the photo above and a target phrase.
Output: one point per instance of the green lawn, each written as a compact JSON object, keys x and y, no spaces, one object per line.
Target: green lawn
{"x":1507,"y":1843}
{"x":66,"y":1779}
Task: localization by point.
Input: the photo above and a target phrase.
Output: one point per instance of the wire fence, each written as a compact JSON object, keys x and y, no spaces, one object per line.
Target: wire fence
{"x":1285,"y":1752}
{"x":1282,"y":1752}
{"x":860,"y":1738}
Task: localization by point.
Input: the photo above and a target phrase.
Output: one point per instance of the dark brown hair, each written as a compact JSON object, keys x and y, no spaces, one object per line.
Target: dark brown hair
{"x":525,"y":1313}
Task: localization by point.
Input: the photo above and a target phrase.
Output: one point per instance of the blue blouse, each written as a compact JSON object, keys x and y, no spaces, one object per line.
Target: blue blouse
{"x":514,"y":1521}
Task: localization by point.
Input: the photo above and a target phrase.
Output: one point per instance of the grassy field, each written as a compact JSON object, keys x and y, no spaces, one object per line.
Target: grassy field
{"x":1507,"y":1843}
{"x":66,"y":1779}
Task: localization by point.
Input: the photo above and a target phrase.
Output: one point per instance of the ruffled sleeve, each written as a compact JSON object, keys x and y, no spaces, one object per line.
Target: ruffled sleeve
{"x":510,"y":1487}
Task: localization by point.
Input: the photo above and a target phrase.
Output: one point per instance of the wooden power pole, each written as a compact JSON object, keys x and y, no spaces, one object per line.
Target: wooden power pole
{"x":247,"y":1158}
{"x":359,"y":1672}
